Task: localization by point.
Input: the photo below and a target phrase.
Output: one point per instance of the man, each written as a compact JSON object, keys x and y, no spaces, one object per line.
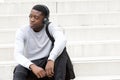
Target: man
{"x":33,"y":46}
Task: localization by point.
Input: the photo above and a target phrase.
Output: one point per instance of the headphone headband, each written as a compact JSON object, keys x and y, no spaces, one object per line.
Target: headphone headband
{"x":47,"y":11}
{"x":42,"y":8}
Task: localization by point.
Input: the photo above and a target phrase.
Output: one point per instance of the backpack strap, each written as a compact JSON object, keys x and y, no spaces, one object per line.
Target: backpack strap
{"x":63,"y":63}
{"x":47,"y":31}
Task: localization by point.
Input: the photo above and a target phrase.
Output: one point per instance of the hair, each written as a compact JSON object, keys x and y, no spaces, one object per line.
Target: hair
{"x":42,"y":8}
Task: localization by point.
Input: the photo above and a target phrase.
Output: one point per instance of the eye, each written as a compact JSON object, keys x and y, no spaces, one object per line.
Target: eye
{"x":36,"y":17}
{"x":30,"y":16}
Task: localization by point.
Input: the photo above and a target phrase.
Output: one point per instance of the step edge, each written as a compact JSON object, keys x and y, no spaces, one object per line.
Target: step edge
{"x":65,"y":14}
{"x":79,"y":60}
{"x":69,"y":43}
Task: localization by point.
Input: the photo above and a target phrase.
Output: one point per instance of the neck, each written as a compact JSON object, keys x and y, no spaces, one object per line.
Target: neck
{"x":37,"y":29}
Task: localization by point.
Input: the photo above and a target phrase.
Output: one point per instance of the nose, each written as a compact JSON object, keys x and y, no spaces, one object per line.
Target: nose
{"x":31,"y":19}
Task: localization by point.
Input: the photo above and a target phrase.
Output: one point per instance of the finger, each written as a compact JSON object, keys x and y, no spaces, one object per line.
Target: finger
{"x":50,"y":73}
{"x":47,"y":72}
{"x":38,"y":76}
{"x":43,"y":73}
{"x":52,"y":70}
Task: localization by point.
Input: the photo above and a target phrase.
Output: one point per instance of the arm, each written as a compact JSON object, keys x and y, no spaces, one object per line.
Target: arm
{"x":19,"y":49}
{"x":60,"y":41}
{"x":21,"y":59}
{"x":59,"y":45}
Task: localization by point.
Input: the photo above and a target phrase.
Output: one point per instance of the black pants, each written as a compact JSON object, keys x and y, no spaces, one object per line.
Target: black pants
{"x":22,"y":73}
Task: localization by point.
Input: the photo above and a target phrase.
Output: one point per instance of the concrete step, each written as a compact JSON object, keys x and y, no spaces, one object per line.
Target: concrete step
{"x":75,"y":49}
{"x":66,"y":19}
{"x":93,"y":48}
{"x":92,"y":33}
{"x":7,"y":68}
{"x":97,"y":66}
{"x":82,"y":33}
{"x":24,"y":7}
{"x":108,"y":77}
{"x":6,"y":52}
{"x":7,"y":36}
{"x":88,"y":6}
{"x":16,"y":1}
{"x":83,"y":67}
{"x":91,"y":18}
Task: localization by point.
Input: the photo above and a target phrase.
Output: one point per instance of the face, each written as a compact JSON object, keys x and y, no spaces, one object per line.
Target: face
{"x":36,"y":19}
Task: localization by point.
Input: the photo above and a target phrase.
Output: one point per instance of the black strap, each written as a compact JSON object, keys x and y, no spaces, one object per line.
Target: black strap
{"x":50,"y":37}
{"x":62,"y":63}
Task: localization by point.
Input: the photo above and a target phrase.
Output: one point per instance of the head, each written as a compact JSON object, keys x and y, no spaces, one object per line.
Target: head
{"x":39,"y":15}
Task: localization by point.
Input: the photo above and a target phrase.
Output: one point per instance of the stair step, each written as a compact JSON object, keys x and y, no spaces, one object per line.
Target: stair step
{"x":93,"y":48}
{"x":93,"y":18}
{"x":88,"y":6}
{"x":75,"y":49}
{"x":66,"y":19}
{"x":92,"y":34}
{"x":23,"y":8}
{"x":16,"y":1}
{"x":82,"y":27}
{"x":83,"y":33}
{"x":83,"y":67}
{"x":62,"y":6}
{"x":97,"y":69}
{"x":108,"y":77}
{"x":96,"y":59}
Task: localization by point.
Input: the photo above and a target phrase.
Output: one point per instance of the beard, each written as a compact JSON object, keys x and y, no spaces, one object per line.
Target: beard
{"x":37,"y":28}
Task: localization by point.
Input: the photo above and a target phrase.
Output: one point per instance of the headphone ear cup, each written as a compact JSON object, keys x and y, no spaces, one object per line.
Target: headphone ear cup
{"x":45,"y":20}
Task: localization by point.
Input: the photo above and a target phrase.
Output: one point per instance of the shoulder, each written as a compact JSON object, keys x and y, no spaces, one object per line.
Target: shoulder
{"x":55,"y":29}
{"x":54,"y":26}
{"x":23,"y":28}
{"x":21,"y":31}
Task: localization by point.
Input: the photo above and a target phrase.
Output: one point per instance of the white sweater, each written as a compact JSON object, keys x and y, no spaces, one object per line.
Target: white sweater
{"x":30,"y":45}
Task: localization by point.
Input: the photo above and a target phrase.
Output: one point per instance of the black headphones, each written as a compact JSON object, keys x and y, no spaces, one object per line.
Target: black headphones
{"x":46,"y":19}
{"x":44,"y":9}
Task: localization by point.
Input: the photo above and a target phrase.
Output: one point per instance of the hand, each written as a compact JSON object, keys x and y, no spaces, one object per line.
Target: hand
{"x":38,"y":71}
{"x":49,"y":68}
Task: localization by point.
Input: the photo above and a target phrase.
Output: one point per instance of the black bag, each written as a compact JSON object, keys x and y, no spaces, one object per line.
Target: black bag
{"x":63,"y":65}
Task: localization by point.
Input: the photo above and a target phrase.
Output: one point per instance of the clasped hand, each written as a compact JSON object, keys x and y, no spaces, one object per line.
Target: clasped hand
{"x":40,"y":72}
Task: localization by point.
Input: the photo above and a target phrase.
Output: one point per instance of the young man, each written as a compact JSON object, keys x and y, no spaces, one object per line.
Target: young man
{"x":33,"y":46}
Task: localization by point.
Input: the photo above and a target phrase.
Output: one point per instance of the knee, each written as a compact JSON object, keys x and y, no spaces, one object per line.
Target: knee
{"x":20,"y":72}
